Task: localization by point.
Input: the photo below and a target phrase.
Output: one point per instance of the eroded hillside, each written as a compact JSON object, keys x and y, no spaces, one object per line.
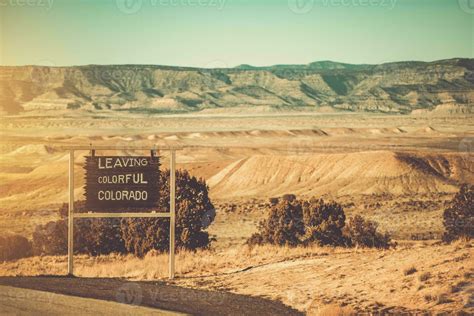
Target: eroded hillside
{"x":325,"y":86}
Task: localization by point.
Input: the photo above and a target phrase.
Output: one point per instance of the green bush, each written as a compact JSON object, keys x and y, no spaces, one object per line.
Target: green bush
{"x":458,"y":218}
{"x":363,"y":233}
{"x":14,"y":247}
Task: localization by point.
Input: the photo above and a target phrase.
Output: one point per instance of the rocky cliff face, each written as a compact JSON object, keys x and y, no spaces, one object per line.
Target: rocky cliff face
{"x":390,"y":88}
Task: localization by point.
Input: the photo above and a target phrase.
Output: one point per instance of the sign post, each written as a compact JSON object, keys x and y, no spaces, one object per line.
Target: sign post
{"x":70,"y":231}
{"x":132,"y":186}
{"x":172,"y":211}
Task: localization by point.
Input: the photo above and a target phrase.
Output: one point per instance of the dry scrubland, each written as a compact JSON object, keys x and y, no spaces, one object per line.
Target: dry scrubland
{"x":417,"y":276}
{"x":398,"y":170}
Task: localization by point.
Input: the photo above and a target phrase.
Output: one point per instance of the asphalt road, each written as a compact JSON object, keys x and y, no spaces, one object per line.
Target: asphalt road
{"x":149,"y":294}
{"x":18,"y":301}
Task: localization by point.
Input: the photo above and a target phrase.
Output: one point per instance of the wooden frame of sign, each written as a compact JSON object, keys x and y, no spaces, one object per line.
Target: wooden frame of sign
{"x":171,"y":214}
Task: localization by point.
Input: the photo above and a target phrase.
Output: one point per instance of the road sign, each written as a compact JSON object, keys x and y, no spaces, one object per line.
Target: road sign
{"x":119,"y":182}
{"x":153,"y":163}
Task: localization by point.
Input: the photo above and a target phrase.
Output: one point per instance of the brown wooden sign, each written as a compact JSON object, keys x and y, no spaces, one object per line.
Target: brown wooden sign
{"x":117,"y":182}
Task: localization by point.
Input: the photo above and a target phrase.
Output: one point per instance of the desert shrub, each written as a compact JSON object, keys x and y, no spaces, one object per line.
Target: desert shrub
{"x":458,"y":218}
{"x":194,"y":212}
{"x":425,"y":276}
{"x":273,"y":200}
{"x":317,"y":309}
{"x":410,"y":270}
{"x":284,"y":225}
{"x":288,"y":197}
{"x":91,"y":236}
{"x":364,"y":233}
{"x":51,"y":238}
{"x":103,"y":236}
{"x":324,"y":222}
{"x":14,"y":247}
{"x":292,"y":222}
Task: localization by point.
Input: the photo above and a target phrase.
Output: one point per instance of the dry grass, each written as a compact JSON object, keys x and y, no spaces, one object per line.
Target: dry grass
{"x":331,"y":310}
{"x":300,"y":277}
{"x":409,"y":270}
{"x":155,"y":265}
{"x":425,"y":276}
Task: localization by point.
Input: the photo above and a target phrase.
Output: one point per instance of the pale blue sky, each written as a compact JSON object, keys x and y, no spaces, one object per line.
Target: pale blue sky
{"x":226,"y":33}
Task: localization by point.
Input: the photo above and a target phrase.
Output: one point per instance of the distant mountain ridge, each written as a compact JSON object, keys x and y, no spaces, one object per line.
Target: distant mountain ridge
{"x":398,"y":87}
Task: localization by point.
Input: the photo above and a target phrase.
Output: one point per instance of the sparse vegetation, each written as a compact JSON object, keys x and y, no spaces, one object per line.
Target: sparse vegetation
{"x":458,"y":218}
{"x":331,"y":310}
{"x":324,"y":222}
{"x":194,"y":212}
{"x":50,"y":239}
{"x":284,"y":225}
{"x":410,"y":270}
{"x":14,"y":247}
{"x":293,"y":222}
{"x":302,"y":269}
{"x":425,"y":276}
{"x":364,"y":233}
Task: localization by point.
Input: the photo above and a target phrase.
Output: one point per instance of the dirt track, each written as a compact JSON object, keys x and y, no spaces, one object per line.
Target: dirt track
{"x":154,"y":294}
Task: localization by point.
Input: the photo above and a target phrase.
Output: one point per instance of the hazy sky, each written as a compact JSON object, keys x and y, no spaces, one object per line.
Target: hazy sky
{"x":226,"y":33}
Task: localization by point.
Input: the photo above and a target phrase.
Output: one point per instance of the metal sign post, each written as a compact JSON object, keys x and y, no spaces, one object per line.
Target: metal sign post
{"x":171,"y":214}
